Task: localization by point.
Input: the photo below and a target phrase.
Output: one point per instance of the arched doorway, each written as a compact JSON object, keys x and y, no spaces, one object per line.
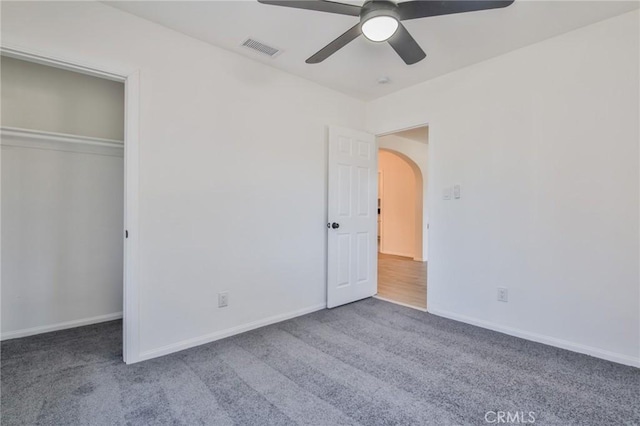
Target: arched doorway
{"x":400,"y":205}
{"x":401,"y":269}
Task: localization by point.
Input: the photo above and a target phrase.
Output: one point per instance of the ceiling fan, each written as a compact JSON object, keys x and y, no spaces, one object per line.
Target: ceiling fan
{"x":380,"y":21}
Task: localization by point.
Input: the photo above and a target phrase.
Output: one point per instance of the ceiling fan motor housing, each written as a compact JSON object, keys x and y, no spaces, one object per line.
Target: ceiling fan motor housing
{"x":373,"y":8}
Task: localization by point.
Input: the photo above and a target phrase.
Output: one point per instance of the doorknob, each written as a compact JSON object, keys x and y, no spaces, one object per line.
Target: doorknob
{"x":335,"y":225}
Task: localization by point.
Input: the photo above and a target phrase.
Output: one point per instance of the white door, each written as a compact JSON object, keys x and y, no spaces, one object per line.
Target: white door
{"x":352,"y":228}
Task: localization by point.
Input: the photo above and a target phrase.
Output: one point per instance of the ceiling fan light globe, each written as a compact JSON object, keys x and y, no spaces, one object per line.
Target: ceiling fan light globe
{"x":380,"y":28}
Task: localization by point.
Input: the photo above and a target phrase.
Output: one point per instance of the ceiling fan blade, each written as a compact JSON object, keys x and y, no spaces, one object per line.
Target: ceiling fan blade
{"x":318,"y":5}
{"x":426,"y":8}
{"x":336,"y":44}
{"x":406,"y":46}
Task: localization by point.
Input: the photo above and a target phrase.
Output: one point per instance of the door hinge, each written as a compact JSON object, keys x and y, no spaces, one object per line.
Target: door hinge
{"x":126,"y":233}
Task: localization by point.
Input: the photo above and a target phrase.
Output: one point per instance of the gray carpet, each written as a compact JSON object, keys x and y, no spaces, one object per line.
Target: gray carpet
{"x":368,"y":363}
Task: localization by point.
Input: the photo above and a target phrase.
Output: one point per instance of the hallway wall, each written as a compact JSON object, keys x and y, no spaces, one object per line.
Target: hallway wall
{"x":398,"y":205}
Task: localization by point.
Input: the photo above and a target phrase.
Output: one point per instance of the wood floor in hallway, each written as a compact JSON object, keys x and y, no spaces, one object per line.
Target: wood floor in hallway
{"x":403,"y":280}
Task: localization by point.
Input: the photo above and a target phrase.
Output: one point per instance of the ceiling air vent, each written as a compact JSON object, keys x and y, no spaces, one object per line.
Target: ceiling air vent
{"x":261,"y":48}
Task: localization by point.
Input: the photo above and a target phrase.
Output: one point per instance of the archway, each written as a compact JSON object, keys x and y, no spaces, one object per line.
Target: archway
{"x":401,"y":205}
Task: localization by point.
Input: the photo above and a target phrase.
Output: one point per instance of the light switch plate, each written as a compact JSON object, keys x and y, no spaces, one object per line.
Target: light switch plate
{"x":446,"y":194}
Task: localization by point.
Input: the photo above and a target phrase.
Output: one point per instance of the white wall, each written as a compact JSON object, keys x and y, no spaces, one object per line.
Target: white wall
{"x":40,"y":97}
{"x":398,"y":208}
{"x":544,"y":142}
{"x":418,"y":154}
{"x":232,"y":171}
{"x":61,"y":235}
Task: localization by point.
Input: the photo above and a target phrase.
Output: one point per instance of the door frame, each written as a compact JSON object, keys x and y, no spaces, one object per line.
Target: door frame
{"x":131,"y":80}
{"x":380,"y":205}
{"x":428,"y":202}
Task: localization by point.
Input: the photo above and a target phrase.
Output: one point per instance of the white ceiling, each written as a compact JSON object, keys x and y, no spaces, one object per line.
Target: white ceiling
{"x":451,"y":42}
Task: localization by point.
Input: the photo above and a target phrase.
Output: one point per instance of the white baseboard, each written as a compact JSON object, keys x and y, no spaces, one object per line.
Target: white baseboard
{"x":547,"y":340}
{"x":59,"y":326}
{"x":208,"y":338}
{"x":393,"y":253}
{"x":406,"y":305}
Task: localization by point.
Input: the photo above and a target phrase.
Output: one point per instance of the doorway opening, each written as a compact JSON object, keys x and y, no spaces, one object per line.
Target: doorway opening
{"x":403,"y":217}
{"x":69,"y":192}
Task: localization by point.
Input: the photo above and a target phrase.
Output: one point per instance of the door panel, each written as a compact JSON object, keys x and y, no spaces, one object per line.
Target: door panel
{"x":344,"y":260}
{"x":363,"y":256}
{"x":353,"y":172}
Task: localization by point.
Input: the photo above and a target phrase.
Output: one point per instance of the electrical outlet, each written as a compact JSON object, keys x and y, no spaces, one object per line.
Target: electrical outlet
{"x":223,"y":299}
{"x":503,"y":294}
